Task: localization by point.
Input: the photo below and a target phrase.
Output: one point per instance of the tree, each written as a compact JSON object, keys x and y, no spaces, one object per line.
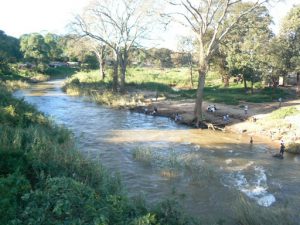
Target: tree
{"x":246,"y":45}
{"x":118,"y":25}
{"x":9,"y":51}
{"x":290,"y":36}
{"x":34,"y":48}
{"x":186,"y":46}
{"x":54,"y":49}
{"x":211,"y":21}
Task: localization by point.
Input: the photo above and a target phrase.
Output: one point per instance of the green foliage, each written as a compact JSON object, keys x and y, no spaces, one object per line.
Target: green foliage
{"x":148,"y":219}
{"x":290,"y":37}
{"x":34,"y":48}
{"x":12,"y":188}
{"x":170,"y":83}
{"x":9,"y":52}
{"x":62,"y":200}
{"x":60,"y":71}
{"x":284,"y":112}
{"x":293,"y":148}
{"x":245,"y":46}
{"x":45,"y":180}
{"x":170,"y":215}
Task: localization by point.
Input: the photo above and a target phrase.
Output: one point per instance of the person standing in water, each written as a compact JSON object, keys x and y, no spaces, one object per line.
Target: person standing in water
{"x":282,"y":148}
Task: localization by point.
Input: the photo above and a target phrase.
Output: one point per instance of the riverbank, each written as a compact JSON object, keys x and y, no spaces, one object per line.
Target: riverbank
{"x":265,"y":119}
{"x":197,"y":171}
{"x":262,"y":119}
{"x":45,"y":179}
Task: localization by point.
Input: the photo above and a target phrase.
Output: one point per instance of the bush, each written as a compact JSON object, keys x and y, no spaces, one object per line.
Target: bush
{"x":62,"y":200}
{"x":11,"y":190}
{"x":293,"y":148}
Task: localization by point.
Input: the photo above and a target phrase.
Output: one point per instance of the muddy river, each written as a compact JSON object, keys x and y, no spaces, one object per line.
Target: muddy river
{"x":209,"y":173}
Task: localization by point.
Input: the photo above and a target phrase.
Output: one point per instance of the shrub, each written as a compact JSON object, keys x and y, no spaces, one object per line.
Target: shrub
{"x":62,"y":200}
{"x":12,"y":188}
{"x":293,"y":148}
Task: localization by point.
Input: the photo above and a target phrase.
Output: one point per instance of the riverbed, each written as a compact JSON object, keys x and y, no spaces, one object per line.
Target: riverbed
{"x":208,"y":172}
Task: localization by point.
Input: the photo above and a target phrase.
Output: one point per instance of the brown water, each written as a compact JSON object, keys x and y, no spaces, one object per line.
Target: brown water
{"x":208,"y":172}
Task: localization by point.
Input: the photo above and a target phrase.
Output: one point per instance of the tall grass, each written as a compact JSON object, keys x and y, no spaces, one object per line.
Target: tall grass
{"x":248,"y":213}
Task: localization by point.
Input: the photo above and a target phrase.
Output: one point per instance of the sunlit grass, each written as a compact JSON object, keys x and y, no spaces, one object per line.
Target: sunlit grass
{"x":174,"y":84}
{"x":284,"y":112}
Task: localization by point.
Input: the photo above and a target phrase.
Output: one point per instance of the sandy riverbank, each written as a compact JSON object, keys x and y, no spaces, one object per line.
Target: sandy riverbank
{"x":256,"y":123}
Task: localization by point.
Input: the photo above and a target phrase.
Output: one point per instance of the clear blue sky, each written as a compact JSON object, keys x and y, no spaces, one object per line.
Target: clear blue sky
{"x":18,"y":17}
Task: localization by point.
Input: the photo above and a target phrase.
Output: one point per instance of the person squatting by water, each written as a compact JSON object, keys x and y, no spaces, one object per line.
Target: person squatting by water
{"x":280,"y":101}
{"x":154,"y":111}
{"x":282,"y":148}
{"x":226,"y":118}
{"x":211,"y":108}
{"x":246,"y":109}
{"x":251,"y":140}
{"x":178,"y":117}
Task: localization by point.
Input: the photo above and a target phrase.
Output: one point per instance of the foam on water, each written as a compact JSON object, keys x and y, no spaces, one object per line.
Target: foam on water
{"x":254,"y":186}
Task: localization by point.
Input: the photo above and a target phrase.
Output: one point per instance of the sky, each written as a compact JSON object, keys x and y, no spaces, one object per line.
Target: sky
{"x":18,"y":17}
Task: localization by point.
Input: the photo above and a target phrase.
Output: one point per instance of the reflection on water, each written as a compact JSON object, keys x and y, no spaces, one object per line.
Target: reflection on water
{"x":158,"y":158}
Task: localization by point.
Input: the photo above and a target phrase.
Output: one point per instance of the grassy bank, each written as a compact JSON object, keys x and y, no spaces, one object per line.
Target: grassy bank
{"x":172,"y":84}
{"x":44,"y":179}
{"x":32,"y":76}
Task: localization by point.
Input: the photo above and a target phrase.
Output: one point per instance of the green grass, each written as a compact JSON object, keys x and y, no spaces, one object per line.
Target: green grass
{"x":175,"y":84}
{"x":27,"y":75}
{"x":284,"y":112}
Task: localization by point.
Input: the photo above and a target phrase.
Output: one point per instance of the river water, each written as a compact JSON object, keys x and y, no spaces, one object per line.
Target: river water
{"x":209,"y":173}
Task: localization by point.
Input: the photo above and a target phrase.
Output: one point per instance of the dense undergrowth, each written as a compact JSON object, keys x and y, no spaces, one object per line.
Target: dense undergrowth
{"x":45,"y":180}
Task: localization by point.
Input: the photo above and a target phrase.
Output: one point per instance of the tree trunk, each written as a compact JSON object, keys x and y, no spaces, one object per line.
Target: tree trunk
{"x":123,"y":64}
{"x":203,"y":68}
{"x":298,"y":82}
{"x":226,"y":80}
{"x":191,"y":74}
{"x":102,"y":69}
{"x":100,"y":54}
{"x":115,"y":73}
{"x":245,"y":83}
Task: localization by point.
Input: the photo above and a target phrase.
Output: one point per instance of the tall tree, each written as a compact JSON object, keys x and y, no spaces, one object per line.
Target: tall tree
{"x":211,"y":21}
{"x":34,"y":48}
{"x":9,"y":51}
{"x":246,"y":45}
{"x":290,"y":36}
{"x":54,"y":48}
{"x":118,"y":25}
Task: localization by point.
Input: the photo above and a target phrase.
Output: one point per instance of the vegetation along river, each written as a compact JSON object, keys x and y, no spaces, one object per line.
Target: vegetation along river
{"x":212,"y":174}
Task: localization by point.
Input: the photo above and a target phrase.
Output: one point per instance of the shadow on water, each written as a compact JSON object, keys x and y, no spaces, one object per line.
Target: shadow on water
{"x":210,"y":173}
